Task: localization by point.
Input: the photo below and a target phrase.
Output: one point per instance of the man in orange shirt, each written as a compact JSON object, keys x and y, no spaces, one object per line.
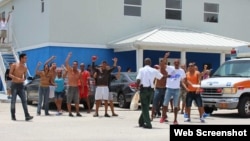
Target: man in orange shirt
{"x":84,"y":93}
{"x":193,"y":93}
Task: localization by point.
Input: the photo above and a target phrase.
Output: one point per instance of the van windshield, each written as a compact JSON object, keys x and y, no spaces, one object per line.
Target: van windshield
{"x":236,"y":68}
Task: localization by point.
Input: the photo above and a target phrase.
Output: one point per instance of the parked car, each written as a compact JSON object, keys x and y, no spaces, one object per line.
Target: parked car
{"x":32,"y":86}
{"x":123,"y":89}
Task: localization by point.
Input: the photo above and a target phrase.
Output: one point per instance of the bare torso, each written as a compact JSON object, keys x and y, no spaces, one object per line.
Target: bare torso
{"x":73,"y":77}
{"x":18,"y":72}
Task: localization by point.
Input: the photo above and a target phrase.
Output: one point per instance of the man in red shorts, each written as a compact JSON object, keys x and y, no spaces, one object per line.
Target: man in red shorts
{"x":83,"y":93}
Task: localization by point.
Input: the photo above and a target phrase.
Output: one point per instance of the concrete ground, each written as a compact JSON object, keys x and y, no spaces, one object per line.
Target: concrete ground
{"x":122,"y":128}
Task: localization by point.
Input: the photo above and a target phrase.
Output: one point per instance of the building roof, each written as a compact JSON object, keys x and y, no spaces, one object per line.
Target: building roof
{"x":177,"y":39}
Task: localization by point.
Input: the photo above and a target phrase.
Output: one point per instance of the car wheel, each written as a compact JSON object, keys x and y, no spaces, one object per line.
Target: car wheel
{"x":29,"y":102}
{"x":208,"y":110}
{"x":122,"y":101}
{"x":244,"y":107}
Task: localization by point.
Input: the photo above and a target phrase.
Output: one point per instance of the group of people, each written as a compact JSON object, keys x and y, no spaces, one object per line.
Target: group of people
{"x":166,"y":83}
{"x":52,"y":79}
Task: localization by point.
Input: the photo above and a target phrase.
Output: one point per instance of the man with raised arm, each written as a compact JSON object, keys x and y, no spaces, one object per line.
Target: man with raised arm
{"x":74,"y":76}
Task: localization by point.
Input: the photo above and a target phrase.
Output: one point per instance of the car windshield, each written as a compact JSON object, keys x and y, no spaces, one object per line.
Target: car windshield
{"x":236,"y":68}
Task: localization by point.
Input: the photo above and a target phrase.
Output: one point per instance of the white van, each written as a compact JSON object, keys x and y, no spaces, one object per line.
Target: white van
{"x":229,"y":86}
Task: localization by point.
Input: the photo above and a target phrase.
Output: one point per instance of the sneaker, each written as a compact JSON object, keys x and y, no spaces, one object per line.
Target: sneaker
{"x":58,"y":114}
{"x":78,"y":114}
{"x":13,"y":118}
{"x":205,"y":115}
{"x":71,"y":115}
{"x":185,"y":115}
{"x":202,"y":120}
{"x":29,"y":118}
{"x":175,"y":122}
{"x":187,"y":120}
{"x":107,"y":115}
{"x":163,"y":119}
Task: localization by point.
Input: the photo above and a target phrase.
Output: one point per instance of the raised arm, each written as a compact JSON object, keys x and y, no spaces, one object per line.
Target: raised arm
{"x":114,"y":65}
{"x":37,"y":68}
{"x":164,"y":60}
{"x":67,"y":61}
{"x":93,"y":64}
{"x":50,"y":59}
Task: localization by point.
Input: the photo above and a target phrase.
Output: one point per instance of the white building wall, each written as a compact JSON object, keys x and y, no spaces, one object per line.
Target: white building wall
{"x":102,"y":21}
{"x":233,"y":18}
{"x":30,"y":26}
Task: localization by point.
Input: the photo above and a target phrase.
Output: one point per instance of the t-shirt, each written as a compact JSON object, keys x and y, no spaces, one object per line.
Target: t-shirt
{"x":85,"y":76}
{"x":175,"y":77}
{"x":147,"y":75}
{"x":3,"y":25}
{"x":59,"y":84}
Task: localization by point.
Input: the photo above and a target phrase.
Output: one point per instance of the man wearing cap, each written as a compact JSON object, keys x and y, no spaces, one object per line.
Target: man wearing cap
{"x":145,"y":80}
{"x":102,"y":82}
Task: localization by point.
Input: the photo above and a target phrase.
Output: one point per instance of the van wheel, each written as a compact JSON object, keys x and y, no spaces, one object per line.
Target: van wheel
{"x":208,"y":110}
{"x":244,"y":107}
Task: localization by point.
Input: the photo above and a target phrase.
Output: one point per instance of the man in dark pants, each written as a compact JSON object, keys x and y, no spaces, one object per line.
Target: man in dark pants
{"x":18,"y":73}
{"x":145,"y":80}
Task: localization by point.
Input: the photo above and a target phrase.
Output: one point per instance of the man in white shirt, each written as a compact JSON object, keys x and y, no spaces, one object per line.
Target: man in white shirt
{"x":145,"y":81}
{"x":176,"y":76}
{"x":4,"y":28}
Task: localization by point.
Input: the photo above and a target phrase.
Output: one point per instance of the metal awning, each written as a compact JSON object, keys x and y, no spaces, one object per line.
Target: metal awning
{"x":177,"y":39}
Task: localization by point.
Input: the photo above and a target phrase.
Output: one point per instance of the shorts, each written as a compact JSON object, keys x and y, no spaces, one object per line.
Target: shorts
{"x":59,"y":95}
{"x":3,"y":33}
{"x":73,"y":95}
{"x":8,"y":84}
{"x":183,"y":96}
{"x":175,"y":93}
{"x":102,"y":93}
{"x":84,"y":93}
{"x":193,"y":96}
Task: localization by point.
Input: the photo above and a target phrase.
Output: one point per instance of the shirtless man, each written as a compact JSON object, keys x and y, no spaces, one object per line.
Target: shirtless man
{"x":74,"y":76}
{"x":18,"y":73}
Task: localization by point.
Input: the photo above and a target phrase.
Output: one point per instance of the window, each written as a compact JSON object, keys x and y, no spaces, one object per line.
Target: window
{"x":42,"y":6}
{"x":211,"y":12}
{"x":173,"y":9}
{"x":132,"y":7}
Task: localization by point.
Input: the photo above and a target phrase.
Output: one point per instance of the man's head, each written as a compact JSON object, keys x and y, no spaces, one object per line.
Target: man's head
{"x":75,"y":65}
{"x":23,"y":58}
{"x":191,"y":66}
{"x":183,"y":66}
{"x":53,"y":65}
{"x":177,"y":63}
{"x":104,"y":65}
{"x":82,"y":66}
{"x":147,"y":61}
{"x":59,"y":72}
